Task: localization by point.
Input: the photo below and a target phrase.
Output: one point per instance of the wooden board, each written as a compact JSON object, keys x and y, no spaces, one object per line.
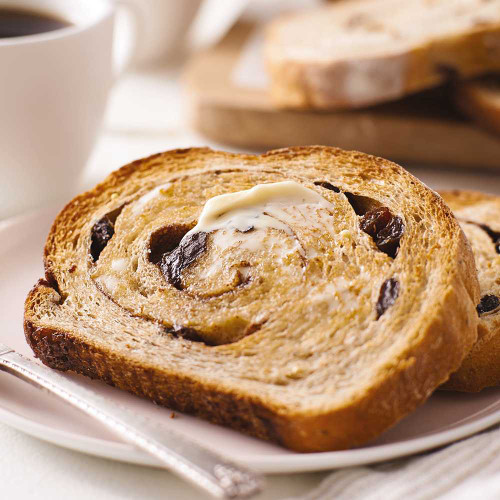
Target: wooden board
{"x":421,"y":129}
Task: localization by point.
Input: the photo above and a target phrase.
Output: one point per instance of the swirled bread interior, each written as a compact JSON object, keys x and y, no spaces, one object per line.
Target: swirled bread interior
{"x":333,"y":314}
{"x":479,"y":216}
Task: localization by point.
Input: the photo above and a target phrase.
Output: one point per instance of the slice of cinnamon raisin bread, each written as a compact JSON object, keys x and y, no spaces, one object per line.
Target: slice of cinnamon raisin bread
{"x":359,"y":52}
{"x":479,"y":216}
{"x":309,"y":296}
{"x":480,"y":100}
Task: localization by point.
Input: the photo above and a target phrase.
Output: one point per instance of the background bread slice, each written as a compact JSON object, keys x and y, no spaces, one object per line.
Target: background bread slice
{"x":320,"y":366}
{"x":359,"y":52}
{"x":423,"y":128}
{"x":479,"y":99}
{"x":479,"y":216}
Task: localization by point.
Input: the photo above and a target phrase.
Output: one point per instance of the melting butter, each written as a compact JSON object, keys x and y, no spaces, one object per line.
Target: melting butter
{"x":276,"y":205}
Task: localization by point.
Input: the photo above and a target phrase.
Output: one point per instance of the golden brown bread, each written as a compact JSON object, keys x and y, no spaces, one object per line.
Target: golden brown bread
{"x":479,"y":216}
{"x":355,"y":53}
{"x":318,"y":332}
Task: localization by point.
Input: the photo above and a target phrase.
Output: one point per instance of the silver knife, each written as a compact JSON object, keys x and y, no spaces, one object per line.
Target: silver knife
{"x":217,"y":476}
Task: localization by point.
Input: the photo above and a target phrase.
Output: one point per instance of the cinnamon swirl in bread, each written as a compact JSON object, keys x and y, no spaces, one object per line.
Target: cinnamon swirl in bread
{"x":309,"y":296}
{"x":479,"y":216}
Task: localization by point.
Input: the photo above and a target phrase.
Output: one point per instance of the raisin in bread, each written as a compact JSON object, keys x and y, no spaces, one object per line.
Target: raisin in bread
{"x":479,"y":99}
{"x":359,"y":52}
{"x":479,"y":216}
{"x":315,"y":308}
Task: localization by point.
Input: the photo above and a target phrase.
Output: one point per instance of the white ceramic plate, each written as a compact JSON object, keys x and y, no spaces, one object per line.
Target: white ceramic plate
{"x":445,"y":418}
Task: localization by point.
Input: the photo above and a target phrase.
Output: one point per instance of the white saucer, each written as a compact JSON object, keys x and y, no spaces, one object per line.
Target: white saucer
{"x":445,"y":418}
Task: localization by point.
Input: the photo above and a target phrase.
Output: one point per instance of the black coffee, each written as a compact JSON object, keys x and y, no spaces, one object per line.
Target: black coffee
{"x":19,"y":22}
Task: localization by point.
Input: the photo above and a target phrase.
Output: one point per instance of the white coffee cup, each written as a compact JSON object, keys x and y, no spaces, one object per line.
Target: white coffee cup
{"x":53,"y":92}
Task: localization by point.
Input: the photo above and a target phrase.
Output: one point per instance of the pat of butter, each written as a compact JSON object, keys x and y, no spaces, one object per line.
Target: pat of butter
{"x":119,"y":264}
{"x":262,"y":207}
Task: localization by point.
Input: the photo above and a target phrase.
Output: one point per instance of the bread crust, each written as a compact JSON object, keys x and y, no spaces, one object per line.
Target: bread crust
{"x":479,"y":99}
{"x":441,"y":341}
{"x":361,"y":79}
{"x":481,"y":367}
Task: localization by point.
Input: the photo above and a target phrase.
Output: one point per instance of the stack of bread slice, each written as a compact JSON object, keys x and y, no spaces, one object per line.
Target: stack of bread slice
{"x":355,"y":53}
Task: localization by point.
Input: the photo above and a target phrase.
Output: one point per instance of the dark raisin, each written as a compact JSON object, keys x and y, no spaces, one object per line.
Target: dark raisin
{"x":488,"y":303}
{"x":173,"y":263}
{"x":185,"y":333}
{"x":388,"y":238}
{"x":102,"y":231}
{"x":375,"y":220}
{"x":389,"y":292}
{"x":327,"y":185}
{"x":361,"y":204}
{"x":385,"y":229}
{"x":494,"y":235}
{"x":164,"y":240}
{"x":247,"y":229}
{"x":72,"y":269}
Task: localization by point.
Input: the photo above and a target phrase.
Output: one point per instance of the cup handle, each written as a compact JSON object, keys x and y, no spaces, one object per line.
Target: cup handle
{"x":129,"y":30}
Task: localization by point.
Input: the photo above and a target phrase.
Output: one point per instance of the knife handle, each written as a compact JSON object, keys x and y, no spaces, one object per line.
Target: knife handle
{"x":198,"y":465}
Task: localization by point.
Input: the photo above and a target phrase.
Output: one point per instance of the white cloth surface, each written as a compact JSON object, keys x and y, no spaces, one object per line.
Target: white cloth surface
{"x":31,"y":469}
{"x":467,"y":470}
{"x":146,"y":115}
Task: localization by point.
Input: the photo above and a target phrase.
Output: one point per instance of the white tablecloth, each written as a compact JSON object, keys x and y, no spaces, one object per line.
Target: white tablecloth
{"x":145,"y":116}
